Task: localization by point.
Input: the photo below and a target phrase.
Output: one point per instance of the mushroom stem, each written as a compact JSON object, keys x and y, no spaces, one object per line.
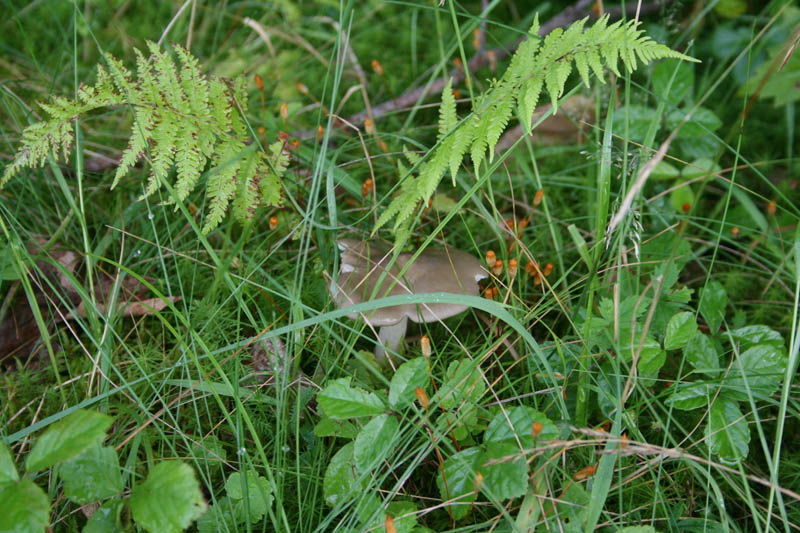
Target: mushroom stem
{"x":390,"y":338}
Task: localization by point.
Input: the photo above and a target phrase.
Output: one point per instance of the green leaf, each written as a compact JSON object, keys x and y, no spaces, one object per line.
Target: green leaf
{"x":727,"y":433}
{"x":341,"y":481}
{"x":687,"y":396}
{"x":572,"y":508}
{"x":749,"y":336}
{"x":259,"y":496}
{"x":408,"y":377}
{"x":638,"y":119}
{"x":682,"y":196}
{"x":699,"y":168}
{"x":517,"y":423}
{"x":67,"y":438}
{"x":8,"y":267}
{"x":464,"y":384}
{"x":339,"y":400}
{"x":104,"y":519}
{"x":702,"y":355}
{"x":25,"y":507}
{"x":681,"y":328}
{"x":328,"y":427}
{"x":406,"y":524}
{"x":505,"y":472}
{"x":760,"y":368}
{"x":713,"y":299}
{"x":169,"y":500}
{"x":672,"y":80}
{"x":664,"y":171}
{"x":447,"y":111}
{"x":93,"y":475}
{"x":638,"y":529}
{"x":8,"y":472}
{"x":703,"y":122}
{"x":459,"y":473}
{"x":374,"y":442}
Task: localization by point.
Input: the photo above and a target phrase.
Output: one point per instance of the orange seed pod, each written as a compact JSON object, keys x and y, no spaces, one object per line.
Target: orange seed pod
{"x":492,"y":60}
{"x":273,"y":223}
{"x":376,"y":67}
{"x":623,"y":440}
{"x":456,"y":94}
{"x":422,"y":397}
{"x":369,"y":125}
{"x":301,"y":87}
{"x":491,"y":258}
{"x":262,"y":131}
{"x":547,"y":269}
{"x":522,"y":224}
{"x":497,"y":269}
{"x":389,"y":524}
{"x":259,"y":83}
{"x":537,"y":199}
{"x":512,"y":268}
{"x":536,"y":429}
{"x":425,"y":343}
{"x":735,"y":232}
{"x":686,"y":207}
{"x":284,"y":111}
{"x":457,"y":63}
{"x":478,"y":481}
{"x":476,"y":38}
{"x":383,"y":145}
{"x":585,"y":473}
{"x":531,"y":268}
{"x":771,"y":208}
{"x":320,"y":133}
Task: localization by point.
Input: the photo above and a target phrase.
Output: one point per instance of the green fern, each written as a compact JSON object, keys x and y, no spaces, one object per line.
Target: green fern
{"x":537,"y":65}
{"x":182,"y":120}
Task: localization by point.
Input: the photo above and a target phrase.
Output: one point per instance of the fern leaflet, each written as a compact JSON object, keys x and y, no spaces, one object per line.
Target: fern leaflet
{"x":537,"y":65}
{"x":182,"y":120}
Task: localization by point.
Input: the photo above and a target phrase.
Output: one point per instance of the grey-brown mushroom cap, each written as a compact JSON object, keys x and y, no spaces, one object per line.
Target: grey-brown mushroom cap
{"x":442,"y":270}
{"x":362,"y":263}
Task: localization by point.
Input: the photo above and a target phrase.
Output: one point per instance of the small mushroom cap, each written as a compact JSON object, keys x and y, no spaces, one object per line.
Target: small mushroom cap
{"x":435,"y":270}
{"x":362,"y":264}
{"x":443,"y":270}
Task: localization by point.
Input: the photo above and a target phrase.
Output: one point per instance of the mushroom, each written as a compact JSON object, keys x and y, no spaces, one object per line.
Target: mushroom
{"x":363,"y":263}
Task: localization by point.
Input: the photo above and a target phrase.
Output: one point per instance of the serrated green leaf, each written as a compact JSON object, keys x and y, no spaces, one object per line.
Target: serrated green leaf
{"x":749,"y":336}
{"x":459,"y":474}
{"x":341,"y":481}
{"x":504,"y":470}
{"x":258,"y":495}
{"x":713,"y":299}
{"x":169,"y":500}
{"x":8,"y":472}
{"x":760,"y":369}
{"x":464,"y":384}
{"x":104,"y":519}
{"x":327,"y":427}
{"x":93,"y":475}
{"x":727,"y":433}
{"x":681,"y":328}
{"x":67,"y":438}
{"x":339,"y":400}
{"x":374,"y":442}
{"x":25,"y":507}
{"x":702,"y":355}
{"x":688,"y":396}
{"x":516,"y":424}
{"x":408,"y":377}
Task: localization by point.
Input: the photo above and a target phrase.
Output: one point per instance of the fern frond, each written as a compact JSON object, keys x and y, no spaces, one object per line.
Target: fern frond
{"x":447,"y":111}
{"x":537,"y":65}
{"x":182,"y":120}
